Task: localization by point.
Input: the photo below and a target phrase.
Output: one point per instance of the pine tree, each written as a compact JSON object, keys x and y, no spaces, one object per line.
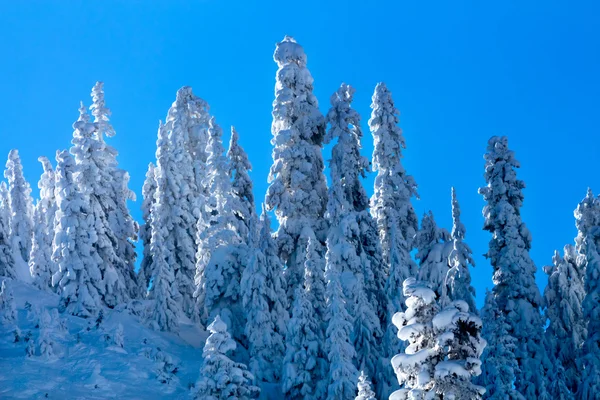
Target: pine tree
{"x":221,"y":255}
{"x":395,"y":218}
{"x":364,"y":388}
{"x":183,"y":206}
{"x":220,"y":377}
{"x":434,"y":247}
{"x":588,"y":242}
{"x":304,"y":365}
{"x":499,"y":363}
{"x":41,"y":265}
{"x":121,"y":223}
{"x":8,"y":310}
{"x":458,"y":280}
{"x":7,"y":261}
{"x":148,"y":193}
{"x":264,"y":299}
{"x":444,"y":348}
{"x":566,"y":330}
{"x":46,"y":341}
{"x":242,"y":187}
{"x":79,"y":277}
{"x":515,"y":289}
{"x":21,"y":211}
{"x":297,"y":190}
{"x":166,"y":312}
{"x":346,"y":207}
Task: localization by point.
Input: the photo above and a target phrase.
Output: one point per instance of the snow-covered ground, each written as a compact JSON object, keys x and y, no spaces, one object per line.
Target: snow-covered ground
{"x":87,"y":364}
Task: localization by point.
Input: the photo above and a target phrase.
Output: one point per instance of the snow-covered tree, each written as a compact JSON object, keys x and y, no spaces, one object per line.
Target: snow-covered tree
{"x":499,"y":363}
{"x":434,"y":246}
{"x":364,"y":388}
{"x":297,"y":190}
{"x":166,"y":313}
{"x":220,"y":377}
{"x":41,"y":265}
{"x":118,"y":336}
{"x":8,"y":310}
{"x":243,"y":198}
{"x":182,"y":194}
{"x":74,"y":249}
{"x":588,"y":242}
{"x":394,"y":215}
{"x":340,"y":350}
{"x":124,"y":228}
{"x":264,"y":299}
{"x":305,"y":365}
{"x":21,"y":210}
{"x":46,"y":341}
{"x":7,"y":261}
{"x":566,"y":329}
{"x":442,"y":357}
{"x":221,"y":255}
{"x":148,"y":193}
{"x":516,"y":292}
{"x":458,"y":279}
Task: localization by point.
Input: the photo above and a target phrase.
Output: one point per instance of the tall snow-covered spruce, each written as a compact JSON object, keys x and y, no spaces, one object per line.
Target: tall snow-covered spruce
{"x":434,"y":246}
{"x":243,"y":198}
{"x":148,"y":202}
{"x":41,"y":265}
{"x":515,"y":290}
{"x":587,"y":217}
{"x":297,"y":190}
{"x":79,"y":276}
{"x":393,"y":212}
{"x":21,"y":213}
{"x":7,"y":260}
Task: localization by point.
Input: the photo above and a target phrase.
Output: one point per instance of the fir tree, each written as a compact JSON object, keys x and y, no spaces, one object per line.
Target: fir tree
{"x":297,"y":190}
{"x":166,"y":312}
{"x":148,"y":193}
{"x":243,"y":198}
{"x":79,"y":277}
{"x":8,"y":310}
{"x":395,"y":218}
{"x":364,"y":388}
{"x":7,"y":261}
{"x":434,"y":247}
{"x":515,"y":290}
{"x":264,"y":299}
{"x":458,"y":280}
{"x":21,"y":210}
{"x":220,"y":377}
{"x":41,"y":265}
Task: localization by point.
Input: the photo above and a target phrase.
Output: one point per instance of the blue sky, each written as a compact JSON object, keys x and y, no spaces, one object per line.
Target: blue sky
{"x":460,"y":72}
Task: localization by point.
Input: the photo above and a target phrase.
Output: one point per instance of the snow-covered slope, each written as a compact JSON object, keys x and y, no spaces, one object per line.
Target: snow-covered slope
{"x":87,"y":364}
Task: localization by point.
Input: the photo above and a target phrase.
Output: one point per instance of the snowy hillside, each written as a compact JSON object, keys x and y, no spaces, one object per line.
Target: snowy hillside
{"x":87,"y":364}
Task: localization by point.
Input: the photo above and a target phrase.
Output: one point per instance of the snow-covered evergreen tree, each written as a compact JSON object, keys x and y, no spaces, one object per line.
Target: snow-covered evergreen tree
{"x":221,"y":255}
{"x":516,"y":292}
{"x":297,"y":190}
{"x":118,"y":336}
{"x":499,"y":363}
{"x":166,"y":313}
{"x":46,"y":341}
{"x":347,"y":202}
{"x":434,"y":246}
{"x":41,"y":265}
{"x":148,"y":193}
{"x":264,"y":298}
{"x":124,"y":228}
{"x":74,"y":249}
{"x":588,"y":242}
{"x":220,"y":377}
{"x":8,"y":310}
{"x":340,"y":349}
{"x":395,"y":217}
{"x":21,"y":212}
{"x":183,"y":203}
{"x":566,"y":329}
{"x":444,"y":348}
{"x":458,"y":279}
{"x":243,"y":198}
{"x":304,"y":365}
{"x":364,"y":388}
{"x":7,"y":260}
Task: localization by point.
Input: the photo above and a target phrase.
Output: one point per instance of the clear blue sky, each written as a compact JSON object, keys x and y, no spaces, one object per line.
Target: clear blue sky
{"x":460,"y":72}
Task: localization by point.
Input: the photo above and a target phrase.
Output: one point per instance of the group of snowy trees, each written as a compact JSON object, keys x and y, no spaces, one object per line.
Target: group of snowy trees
{"x":332,"y":305}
